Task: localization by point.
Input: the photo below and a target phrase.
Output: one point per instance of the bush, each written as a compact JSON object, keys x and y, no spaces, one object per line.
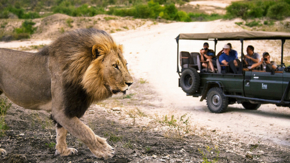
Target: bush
{"x":238,"y":9}
{"x":259,"y":8}
{"x":279,"y":10}
{"x":26,"y":27}
{"x":253,"y":23}
{"x":20,"y":12}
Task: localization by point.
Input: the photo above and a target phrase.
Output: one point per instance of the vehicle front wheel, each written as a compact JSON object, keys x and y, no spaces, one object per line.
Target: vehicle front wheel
{"x":216,"y":101}
{"x":250,"y":106}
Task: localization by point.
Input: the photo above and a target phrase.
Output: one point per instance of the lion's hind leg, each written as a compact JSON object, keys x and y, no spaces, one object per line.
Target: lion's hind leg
{"x":61,"y":146}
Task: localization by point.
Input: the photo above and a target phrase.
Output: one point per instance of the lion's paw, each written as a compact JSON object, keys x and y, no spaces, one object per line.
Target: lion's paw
{"x":67,"y":152}
{"x":3,"y":151}
{"x":103,"y":149}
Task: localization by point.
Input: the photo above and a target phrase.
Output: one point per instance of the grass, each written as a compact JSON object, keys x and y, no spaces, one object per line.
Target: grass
{"x":142,"y":81}
{"x":129,"y":95}
{"x":61,"y":30}
{"x":69,"y":22}
{"x":4,"y":106}
{"x":112,"y":137}
{"x":178,"y":125}
{"x":128,"y":145}
{"x":50,"y":145}
{"x":109,"y":18}
{"x":210,"y":151}
{"x":147,"y":148}
{"x":253,"y":23}
{"x":32,"y":47}
{"x":239,"y":23}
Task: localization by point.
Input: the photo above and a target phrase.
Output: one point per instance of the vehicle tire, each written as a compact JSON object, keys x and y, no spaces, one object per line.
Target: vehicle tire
{"x":250,"y":106}
{"x":190,"y":80}
{"x":216,"y":101}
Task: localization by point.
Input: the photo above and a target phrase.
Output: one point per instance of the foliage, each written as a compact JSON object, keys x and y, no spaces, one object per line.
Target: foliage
{"x":259,"y":8}
{"x":19,"y":12}
{"x":279,"y":10}
{"x":253,"y":23}
{"x":26,"y":27}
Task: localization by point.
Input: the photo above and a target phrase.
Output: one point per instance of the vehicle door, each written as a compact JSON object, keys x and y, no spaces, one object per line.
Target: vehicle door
{"x":261,"y":84}
{"x":286,"y":80}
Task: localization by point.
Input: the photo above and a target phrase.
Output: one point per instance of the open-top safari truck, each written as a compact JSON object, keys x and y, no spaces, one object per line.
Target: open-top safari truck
{"x":251,"y":88}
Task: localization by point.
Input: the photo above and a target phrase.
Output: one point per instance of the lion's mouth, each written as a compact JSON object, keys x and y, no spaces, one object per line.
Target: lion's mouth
{"x":117,"y":91}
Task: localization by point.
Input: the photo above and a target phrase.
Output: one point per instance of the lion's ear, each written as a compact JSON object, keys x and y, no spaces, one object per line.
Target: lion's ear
{"x":95,"y":52}
{"x":121,"y":48}
{"x":98,"y":50}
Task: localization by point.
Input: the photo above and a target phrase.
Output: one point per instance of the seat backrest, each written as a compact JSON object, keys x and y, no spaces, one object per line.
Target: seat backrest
{"x":218,"y":65}
{"x":196,"y":59}
{"x":184,"y":58}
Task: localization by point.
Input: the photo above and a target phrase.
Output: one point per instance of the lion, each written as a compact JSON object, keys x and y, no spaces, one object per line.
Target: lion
{"x":80,"y":67}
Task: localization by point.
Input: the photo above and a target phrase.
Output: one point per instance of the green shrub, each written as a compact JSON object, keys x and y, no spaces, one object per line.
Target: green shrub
{"x":253,"y":23}
{"x":279,"y":10}
{"x":26,"y":27}
{"x":24,"y":31}
{"x":266,"y":22}
{"x":238,"y":9}
{"x":69,"y":21}
{"x":20,"y":12}
{"x":239,"y":23}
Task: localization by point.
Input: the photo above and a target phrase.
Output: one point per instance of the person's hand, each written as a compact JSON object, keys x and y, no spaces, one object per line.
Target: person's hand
{"x":246,"y":56}
{"x":202,"y":51}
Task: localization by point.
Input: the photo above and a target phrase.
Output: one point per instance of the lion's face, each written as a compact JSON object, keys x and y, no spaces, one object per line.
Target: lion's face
{"x":108,"y":73}
{"x":116,"y":74}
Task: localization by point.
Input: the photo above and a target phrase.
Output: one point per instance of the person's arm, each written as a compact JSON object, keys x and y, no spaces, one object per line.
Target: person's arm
{"x":246,"y":60}
{"x":224,"y":62}
{"x":201,"y":55}
{"x":256,"y":64}
{"x":253,"y":59}
{"x":207,"y":56}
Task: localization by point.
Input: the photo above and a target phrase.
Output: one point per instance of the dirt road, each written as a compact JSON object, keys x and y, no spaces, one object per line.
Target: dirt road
{"x":151,"y":55}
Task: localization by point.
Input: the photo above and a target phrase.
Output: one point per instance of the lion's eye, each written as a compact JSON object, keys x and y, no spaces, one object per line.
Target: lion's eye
{"x":116,"y":66}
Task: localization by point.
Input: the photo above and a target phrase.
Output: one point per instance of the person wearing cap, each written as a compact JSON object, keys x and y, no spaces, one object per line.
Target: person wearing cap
{"x":265,"y":61}
{"x":251,"y":57}
{"x":229,"y":57}
{"x":207,"y":54}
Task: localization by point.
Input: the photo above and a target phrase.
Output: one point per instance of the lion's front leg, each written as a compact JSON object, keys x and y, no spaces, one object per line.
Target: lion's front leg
{"x":98,"y":146}
{"x":61,"y":146}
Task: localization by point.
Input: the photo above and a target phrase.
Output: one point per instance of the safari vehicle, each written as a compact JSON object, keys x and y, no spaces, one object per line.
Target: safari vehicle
{"x":251,"y":88}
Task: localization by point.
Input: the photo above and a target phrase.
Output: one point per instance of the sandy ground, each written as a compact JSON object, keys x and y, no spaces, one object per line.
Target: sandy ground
{"x":151,"y":54}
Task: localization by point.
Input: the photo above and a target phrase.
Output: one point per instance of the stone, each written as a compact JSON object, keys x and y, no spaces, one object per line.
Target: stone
{"x":116,"y":109}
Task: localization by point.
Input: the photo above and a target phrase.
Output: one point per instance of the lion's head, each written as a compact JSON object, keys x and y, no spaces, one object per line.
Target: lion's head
{"x":107,"y":74}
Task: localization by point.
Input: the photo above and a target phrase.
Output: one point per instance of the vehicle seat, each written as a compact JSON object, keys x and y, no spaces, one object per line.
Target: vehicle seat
{"x":218,"y":66}
{"x":196,"y":59}
{"x":189,"y":60}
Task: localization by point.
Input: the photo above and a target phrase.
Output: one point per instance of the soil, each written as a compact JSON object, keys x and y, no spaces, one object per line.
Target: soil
{"x":136,"y":138}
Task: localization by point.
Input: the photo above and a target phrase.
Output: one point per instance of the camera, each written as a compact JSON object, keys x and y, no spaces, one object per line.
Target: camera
{"x":265,"y":59}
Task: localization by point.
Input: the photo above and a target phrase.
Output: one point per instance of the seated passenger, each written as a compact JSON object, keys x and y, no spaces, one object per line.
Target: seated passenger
{"x":229,"y":57}
{"x":219,"y":53}
{"x":265,"y":61}
{"x":251,"y":57}
{"x":207,"y":55}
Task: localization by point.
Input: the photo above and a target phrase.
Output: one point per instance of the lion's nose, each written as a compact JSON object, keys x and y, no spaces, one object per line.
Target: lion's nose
{"x":129,"y":83}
